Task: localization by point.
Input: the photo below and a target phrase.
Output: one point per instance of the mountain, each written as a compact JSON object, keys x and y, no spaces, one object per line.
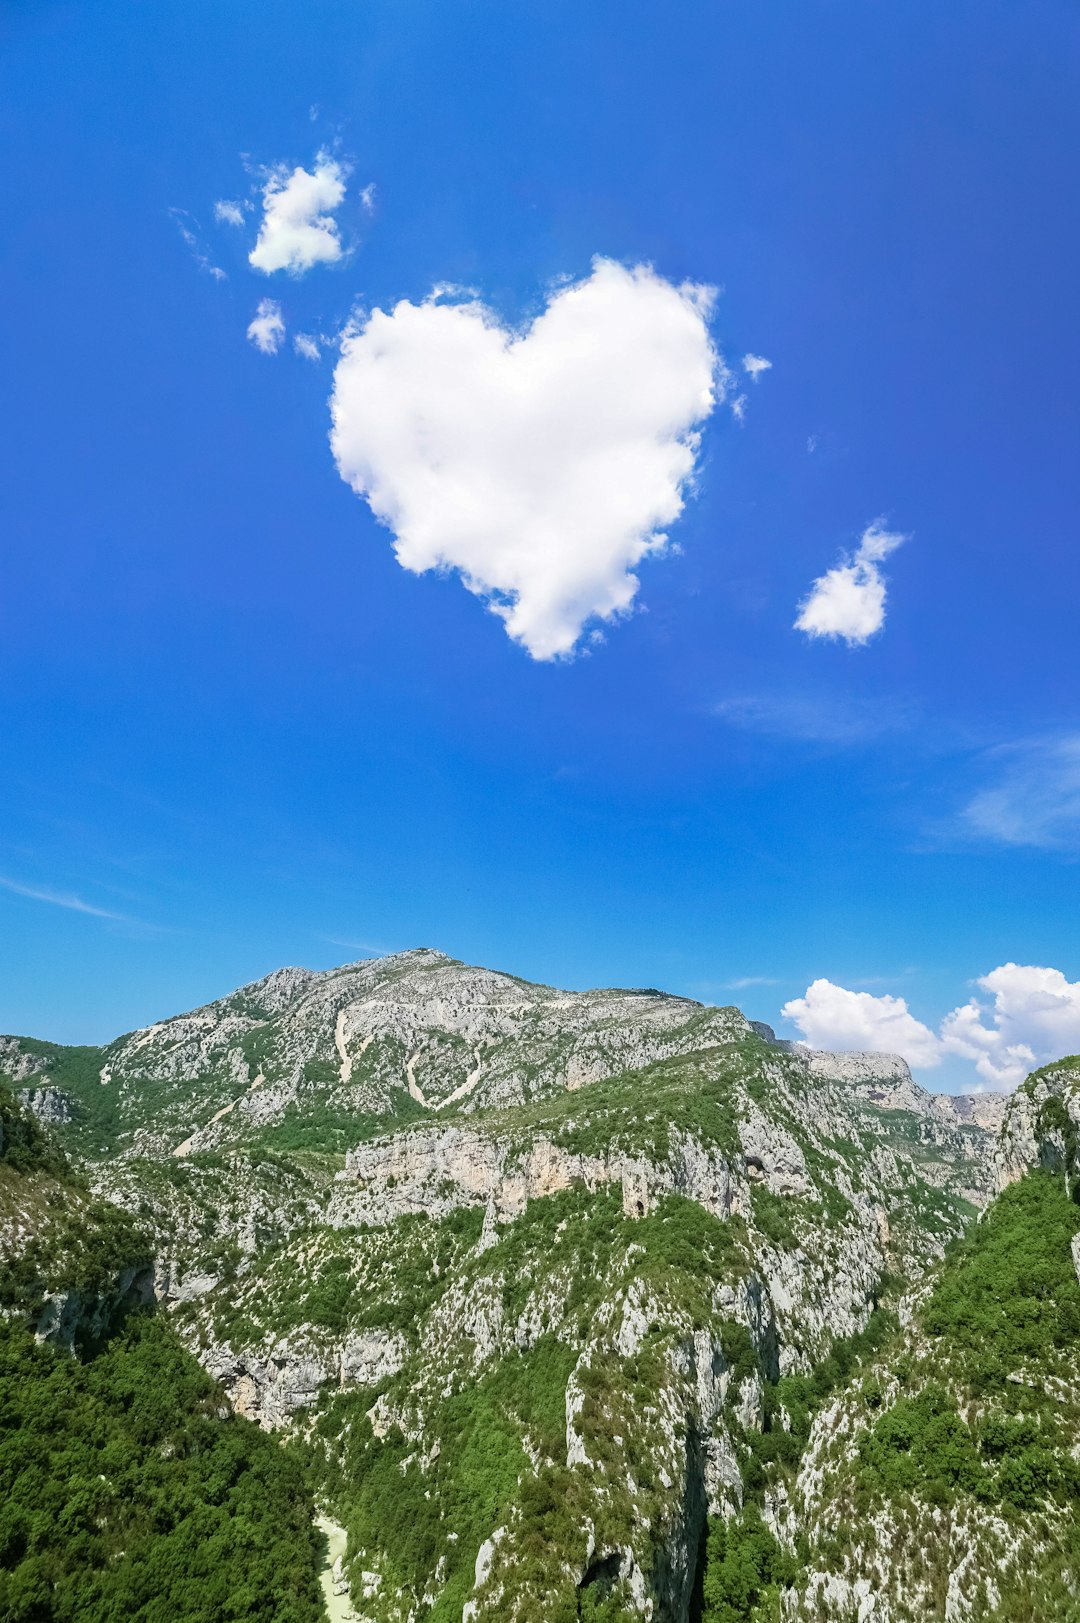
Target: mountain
{"x":567,"y":1301}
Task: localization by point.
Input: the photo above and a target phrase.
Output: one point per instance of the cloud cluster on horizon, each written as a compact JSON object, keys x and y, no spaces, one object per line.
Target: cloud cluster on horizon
{"x":1033,"y":1018}
{"x":847,"y":603}
{"x":542,"y":466}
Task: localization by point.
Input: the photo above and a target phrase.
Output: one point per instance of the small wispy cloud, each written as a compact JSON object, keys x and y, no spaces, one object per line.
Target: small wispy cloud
{"x":267,"y":327}
{"x":367,"y":949}
{"x":188,"y":229}
{"x":744,"y":981}
{"x":229,"y":213}
{"x":755,"y":365}
{"x":65,"y":899}
{"x":367,"y":197}
{"x":307,"y":346}
{"x":1032,"y":797}
{"x":847,"y":603}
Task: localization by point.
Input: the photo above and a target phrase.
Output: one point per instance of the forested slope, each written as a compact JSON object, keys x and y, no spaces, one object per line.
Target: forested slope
{"x":128,"y":1489}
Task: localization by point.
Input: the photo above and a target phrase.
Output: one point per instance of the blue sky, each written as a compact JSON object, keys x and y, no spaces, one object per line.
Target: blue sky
{"x":238,"y":733}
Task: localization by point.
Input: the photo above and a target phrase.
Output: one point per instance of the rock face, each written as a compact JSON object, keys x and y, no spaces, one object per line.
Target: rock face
{"x":295,"y":1372}
{"x":49,"y":1105}
{"x":70,"y":1315}
{"x":1040,"y":1124}
{"x":434,"y":1171}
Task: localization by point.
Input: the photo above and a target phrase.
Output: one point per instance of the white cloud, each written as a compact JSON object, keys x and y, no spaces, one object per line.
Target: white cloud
{"x":227,"y":213}
{"x":298,"y":228}
{"x":849,"y":601}
{"x":307,"y":346}
{"x":1034,"y":1018}
{"x":367,"y":197}
{"x":755,"y":365}
{"x":542,"y":465}
{"x":1036,"y":798}
{"x":267,"y":328}
{"x":832,"y":1017}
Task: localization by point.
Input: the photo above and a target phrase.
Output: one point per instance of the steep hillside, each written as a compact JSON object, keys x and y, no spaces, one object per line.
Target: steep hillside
{"x":943,"y":1482}
{"x":127,"y":1487}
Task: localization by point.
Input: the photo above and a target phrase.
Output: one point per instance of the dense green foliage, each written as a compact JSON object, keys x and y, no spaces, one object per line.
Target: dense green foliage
{"x":971,"y":1418}
{"x":745,"y":1569}
{"x":1003,"y":1315}
{"x":1009,"y":1292}
{"x":124,"y":1493}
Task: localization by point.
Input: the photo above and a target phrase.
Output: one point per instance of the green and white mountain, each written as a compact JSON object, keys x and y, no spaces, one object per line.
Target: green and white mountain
{"x":597,"y":1305}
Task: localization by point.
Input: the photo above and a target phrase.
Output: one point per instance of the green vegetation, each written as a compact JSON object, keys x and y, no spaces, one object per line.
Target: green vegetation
{"x":97,"y":1123}
{"x":1003,"y":1319}
{"x":327,"y":1128}
{"x":969,"y":1419}
{"x":420,"y":1511}
{"x":745,"y":1570}
{"x":643,"y":1111}
{"x":60,"y":1238}
{"x":85,"y":1248}
{"x":1009,"y":1295}
{"x":24,"y":1144}
{"x":774,"y":1217}
{"x":124,"y":1493}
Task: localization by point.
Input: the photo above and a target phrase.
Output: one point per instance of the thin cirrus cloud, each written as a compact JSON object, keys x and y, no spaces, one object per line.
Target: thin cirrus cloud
{"x":64,"y":899}
{"x":189,"y":234}
{"x":1023,"y":1016}
{"x":1033,"y":796}
{"x":541,"y":465}
{"x":298,"y":228}
{"x":837,"y":720}
{"x":847,"y":603}
{"x":267,"y":327}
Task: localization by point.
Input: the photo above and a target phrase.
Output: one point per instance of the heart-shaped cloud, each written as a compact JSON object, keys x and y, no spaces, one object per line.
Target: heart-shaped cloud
{"x":542,"y":465}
